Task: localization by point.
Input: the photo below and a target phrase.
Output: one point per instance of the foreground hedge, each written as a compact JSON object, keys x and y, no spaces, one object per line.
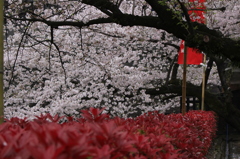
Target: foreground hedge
{"x":97,"y":136}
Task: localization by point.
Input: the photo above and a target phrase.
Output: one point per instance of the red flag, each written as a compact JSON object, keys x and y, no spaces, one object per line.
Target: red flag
{"x":194,"y":56}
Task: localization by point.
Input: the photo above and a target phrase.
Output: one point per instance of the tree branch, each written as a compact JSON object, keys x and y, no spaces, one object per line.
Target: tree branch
{"x":185,"y":12}
{"x":61,"y":61}
{"x":105,"y":6}
{"x":166,"y":20}
{"x":220,"y":9}
{"x":18,"y":50}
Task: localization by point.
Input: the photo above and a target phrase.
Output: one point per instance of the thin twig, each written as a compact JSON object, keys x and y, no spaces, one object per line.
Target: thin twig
{"x":81,"y":39}
{"x":61,"y":61}
{"x":18,"y":50}
{"x":170,"y":69}
{"x":185,"y":12}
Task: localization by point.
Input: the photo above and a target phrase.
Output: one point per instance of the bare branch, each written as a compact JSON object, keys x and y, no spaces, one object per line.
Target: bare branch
{"x":209,"y":9}
{"x":61,"y":61}
{"x":170,"y":69}
{"x":105,"y":6}
{"x":185,"y":12}
{"x":18,"y":50}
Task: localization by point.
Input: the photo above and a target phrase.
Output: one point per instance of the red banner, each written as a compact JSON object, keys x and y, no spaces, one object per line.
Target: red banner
{"x":194,"y":56}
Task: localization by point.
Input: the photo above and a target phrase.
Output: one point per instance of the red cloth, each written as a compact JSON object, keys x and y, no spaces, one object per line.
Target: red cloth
{"x":194,"y":56}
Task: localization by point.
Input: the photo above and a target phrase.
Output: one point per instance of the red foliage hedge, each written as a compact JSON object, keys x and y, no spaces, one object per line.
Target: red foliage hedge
{"x":97,"y":136}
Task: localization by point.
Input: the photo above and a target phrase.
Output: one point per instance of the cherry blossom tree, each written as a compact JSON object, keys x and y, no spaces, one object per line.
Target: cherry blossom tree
{"x":66,"y":55}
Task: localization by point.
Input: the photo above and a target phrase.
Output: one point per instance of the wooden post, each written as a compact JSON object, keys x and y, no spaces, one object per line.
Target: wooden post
{"x":184,"y":81}
{"x":1,"y":61}
{"x":203,"y":81}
